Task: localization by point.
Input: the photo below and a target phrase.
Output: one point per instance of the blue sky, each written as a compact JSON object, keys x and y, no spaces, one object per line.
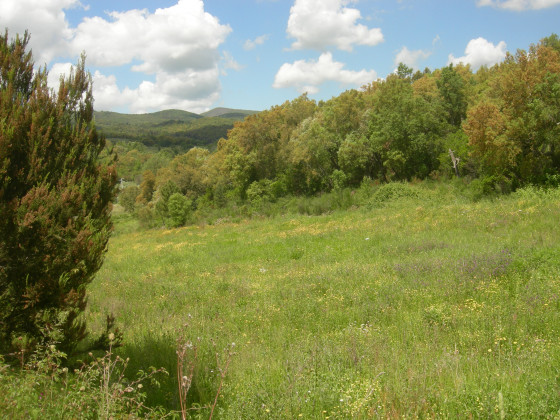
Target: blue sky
{"x":252,"y":54}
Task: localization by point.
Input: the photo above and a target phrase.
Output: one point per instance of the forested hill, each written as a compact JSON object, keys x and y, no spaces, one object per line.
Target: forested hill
{"x":170,"y":128}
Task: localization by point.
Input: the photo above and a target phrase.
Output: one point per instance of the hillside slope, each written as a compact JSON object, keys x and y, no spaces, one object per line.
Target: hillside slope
{"x":170,"y":128}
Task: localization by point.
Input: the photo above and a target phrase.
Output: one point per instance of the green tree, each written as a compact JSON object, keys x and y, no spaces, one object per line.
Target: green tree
{"x":404,"y":72}
{"x":452,"y":90}
{"x":179,"y":208}
{"x":127,"y":197}
{"x":165,"y":191}
{"x":355,"y":157}
{"x":55,"y":199}
{"x":404,"y":131}
{"x":552,"y":41}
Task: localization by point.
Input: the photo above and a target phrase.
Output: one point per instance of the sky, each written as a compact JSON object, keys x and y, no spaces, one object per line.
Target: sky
{"x":196,"y":55}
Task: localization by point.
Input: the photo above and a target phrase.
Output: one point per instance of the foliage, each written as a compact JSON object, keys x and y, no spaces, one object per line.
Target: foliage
{"x":392,"y":191}
{"x":127,"y":197}
{"x":404,"y":147}
{"x":147,"y":186}
{"x":45,"y":387}
{"x":514,"y":131}
{"x":498,"y":127}
{"x":452,"y":90}
{"x":55,"y":199}
{"x":179,"y":208}
{"x":166,"y":191}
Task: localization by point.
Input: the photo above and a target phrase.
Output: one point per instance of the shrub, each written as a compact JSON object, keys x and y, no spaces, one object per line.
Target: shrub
{"x":179,"y":208}
{"x":55,"y":199}
{"x":392,"y":191}
{"x":127,"y":197}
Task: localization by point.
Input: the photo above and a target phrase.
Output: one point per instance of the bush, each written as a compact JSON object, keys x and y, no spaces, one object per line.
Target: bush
{"x":55,"y":199}
{"x":390,"y":192}
{"x":146,"y":217}
{"x":127,"y":197}
{"x":179,"y":208}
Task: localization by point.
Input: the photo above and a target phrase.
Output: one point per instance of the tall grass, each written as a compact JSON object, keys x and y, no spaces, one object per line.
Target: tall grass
{"x":419,"y":303}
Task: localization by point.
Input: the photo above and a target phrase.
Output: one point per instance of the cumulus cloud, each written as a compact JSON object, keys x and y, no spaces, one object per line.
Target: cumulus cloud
{"x":251,"y":44}
{"x":318,"y":24}
{"x":177,"y":45}
{"x":46,"y":22}
{"x":480,"y":52}
{"x":411,"y":58}
{"x":307,"y":76}
{"x":172,"y":39}
{"x":56,"y":71}
{"x":228,"y":62}
{"x":519,"y":5}
{"x":194,"y":91}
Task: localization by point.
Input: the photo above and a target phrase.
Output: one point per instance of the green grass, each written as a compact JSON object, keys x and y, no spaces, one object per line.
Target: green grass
{"x":419,"y":304}
{"x":422,"y":306}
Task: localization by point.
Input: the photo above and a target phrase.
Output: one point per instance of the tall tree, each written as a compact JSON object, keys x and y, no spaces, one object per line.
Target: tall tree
{"x":515,"y":130}
{"x":404,"y":131}
{"x":452,"y":90}
{"x":55,"y":199}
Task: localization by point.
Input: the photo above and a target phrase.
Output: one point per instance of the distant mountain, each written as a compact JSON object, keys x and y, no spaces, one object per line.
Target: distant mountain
{"x":228,"y":113}
{"x":105,"y":117}
{"x":170,"y":128}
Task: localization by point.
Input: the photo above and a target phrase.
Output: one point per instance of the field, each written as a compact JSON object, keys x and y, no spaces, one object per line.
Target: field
{"x":427,"y":306}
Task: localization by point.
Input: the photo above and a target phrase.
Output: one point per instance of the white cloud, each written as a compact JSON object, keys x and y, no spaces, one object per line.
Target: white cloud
{"x":178,"y":44}
{"x":171,"y":40}
{"x":307,"y":76}
{"x":46,"y":22}
{"x":411,"y":58}
{"x":193,"y":91}
{"x":519,"y":5}
{"x":56,"y":71}
{"x":251,"y":44}
{"x":318,"y":24}
{"x":480,"y":52}
{"x":229,"y":63}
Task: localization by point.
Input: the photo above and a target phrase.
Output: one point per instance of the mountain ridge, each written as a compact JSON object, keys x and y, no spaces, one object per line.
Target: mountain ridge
{"x":171,"y":127}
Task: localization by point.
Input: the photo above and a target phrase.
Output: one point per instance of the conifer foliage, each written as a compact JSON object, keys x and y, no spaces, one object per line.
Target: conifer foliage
{"x":55,"y":199}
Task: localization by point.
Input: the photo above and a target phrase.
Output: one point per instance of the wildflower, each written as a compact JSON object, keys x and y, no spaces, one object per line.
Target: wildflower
{"x":111,"y":337}
{"x":140,"y":386}
{"x":489,"y":350}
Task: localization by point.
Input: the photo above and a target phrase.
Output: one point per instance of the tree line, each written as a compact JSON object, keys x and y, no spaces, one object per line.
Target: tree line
{"x":498,"y":125}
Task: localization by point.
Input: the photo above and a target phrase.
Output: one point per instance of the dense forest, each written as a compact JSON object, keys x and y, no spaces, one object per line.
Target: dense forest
{"x":497,"y":129}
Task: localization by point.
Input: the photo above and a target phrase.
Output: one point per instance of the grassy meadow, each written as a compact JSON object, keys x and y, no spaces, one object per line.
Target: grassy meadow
{"x":427,"y":306}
